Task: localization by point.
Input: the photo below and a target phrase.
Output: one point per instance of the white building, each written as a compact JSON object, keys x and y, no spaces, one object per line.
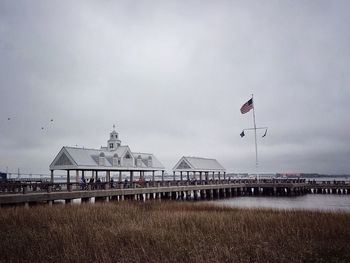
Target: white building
{"x":193,"y":166}
{"x":115,"y":157}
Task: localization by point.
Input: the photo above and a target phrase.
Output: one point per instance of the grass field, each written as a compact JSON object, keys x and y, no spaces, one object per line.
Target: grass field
{"x":171,"y":232}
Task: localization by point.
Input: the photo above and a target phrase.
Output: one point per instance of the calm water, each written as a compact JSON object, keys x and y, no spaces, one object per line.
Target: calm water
{"x":305,"y":202}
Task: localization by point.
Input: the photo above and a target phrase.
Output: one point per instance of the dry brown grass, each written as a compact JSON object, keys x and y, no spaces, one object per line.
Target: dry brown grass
{"x":171,"y":232}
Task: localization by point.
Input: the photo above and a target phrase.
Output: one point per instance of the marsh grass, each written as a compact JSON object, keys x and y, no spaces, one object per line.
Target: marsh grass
{"x":171,"y":232}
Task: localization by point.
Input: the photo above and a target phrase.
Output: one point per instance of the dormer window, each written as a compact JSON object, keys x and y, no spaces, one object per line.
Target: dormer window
{"x":127,"y":156}
{"x":116,"y":160}
{"x":139,"y":161}
{"x":101,"y":159}
{"x":149,"y":161}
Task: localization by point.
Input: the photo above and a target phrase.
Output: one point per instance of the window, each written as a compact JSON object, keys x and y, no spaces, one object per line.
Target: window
{"x":127,"y":156}
{"x":118,"y":161}
{"x":111,"y":145}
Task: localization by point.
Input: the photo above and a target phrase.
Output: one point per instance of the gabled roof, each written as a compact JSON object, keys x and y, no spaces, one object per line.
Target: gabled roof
{"x":86,"y":157}
{"x":145,"y":156}
{"x":198,"y":164}
{"x":74,"y":158}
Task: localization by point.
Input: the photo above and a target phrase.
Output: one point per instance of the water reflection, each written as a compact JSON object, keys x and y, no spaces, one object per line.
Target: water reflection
{"x":306,"y":202}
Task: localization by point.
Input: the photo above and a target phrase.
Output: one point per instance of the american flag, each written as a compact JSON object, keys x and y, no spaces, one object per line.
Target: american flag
{"x":247,"y":106}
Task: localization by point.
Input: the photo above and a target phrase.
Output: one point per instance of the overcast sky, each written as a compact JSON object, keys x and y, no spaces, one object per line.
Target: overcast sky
{"x":172,"y":76}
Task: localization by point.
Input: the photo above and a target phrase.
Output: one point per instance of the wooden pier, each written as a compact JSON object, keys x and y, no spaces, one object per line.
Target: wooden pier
{"x":26,"y":193}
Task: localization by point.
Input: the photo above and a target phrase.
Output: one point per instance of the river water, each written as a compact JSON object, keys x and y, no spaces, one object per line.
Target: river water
{"x":320,"y":202}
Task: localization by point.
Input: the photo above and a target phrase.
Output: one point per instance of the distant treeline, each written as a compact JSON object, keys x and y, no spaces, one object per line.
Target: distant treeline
{"x":311,"y":175}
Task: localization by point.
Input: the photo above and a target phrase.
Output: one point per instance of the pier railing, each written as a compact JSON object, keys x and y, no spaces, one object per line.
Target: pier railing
{"x":16,"y":187}
{"x":37,"y":192}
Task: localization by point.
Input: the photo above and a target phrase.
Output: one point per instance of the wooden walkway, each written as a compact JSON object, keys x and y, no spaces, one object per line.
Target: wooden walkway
{"x":26,"y":193}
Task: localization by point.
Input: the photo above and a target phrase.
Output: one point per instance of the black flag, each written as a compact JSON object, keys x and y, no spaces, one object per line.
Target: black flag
{"x":242,"y":134}
{"x":264,"y":133}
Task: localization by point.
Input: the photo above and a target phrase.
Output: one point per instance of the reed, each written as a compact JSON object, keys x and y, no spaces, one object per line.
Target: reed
{"x":171,"y":232}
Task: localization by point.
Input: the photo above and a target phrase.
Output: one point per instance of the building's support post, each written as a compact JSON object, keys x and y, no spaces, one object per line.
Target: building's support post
{"x":195,"y":194}
{"x":77,"y":176}
{"x":174,"y":176}
{"x":131,"y":178}
{"x":120,"y":176}
{"x":96,"y":175}
{"x":181,"y":176}
{"x":217,"y":193}
{"x":219,"y":175}
{"x":200,"y":177}
{"x":108,"y":179}
{"x":224,"y":175}
{"x":25,"y":189}
{"x":69,"y":187}
{"x":234,"y":191}
{"x":82,"y":174}
{"x":213,"y":176}
{"x":153,"y":177}
{"x":188,"y":175}
{"x":182,"y":195}
{"x":52,"y":180}
{"x":163,"y":176}
{"x":194,"y":176}
{"x":256,"y":190}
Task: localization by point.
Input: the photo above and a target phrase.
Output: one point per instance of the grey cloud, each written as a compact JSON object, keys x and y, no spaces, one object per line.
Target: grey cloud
{"x":172,"y":75}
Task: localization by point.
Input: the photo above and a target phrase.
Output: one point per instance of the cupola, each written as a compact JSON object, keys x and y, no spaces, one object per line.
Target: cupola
{"x":113,"y":143}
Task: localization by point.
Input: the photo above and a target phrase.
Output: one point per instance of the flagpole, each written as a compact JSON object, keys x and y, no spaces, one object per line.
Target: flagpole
{"x":256,"y":145}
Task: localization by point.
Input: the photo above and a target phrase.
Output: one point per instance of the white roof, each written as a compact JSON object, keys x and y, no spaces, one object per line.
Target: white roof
{"x":81,"y":158}
{"x":145,"y":156}
{"x":198,"y":164}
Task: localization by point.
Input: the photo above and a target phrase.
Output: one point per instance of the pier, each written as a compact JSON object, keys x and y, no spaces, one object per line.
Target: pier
{"x":90,"y":174}
{"x":27,"y":193}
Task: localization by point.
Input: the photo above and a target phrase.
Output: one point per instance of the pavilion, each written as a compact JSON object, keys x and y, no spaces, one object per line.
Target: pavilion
{"x":194,"y":166}
{"x":112,"y":158}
